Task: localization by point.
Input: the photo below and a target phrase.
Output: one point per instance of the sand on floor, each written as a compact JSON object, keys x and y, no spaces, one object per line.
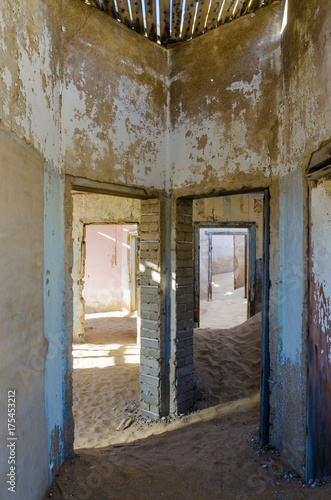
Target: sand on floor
{"x":227,"y":361}
{"x":228,"y":307}
{"x":208,"y":454}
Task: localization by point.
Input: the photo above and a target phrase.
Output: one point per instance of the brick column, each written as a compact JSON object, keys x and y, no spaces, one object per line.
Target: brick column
{"x":151,"y":307}
{"x":184,"y":376}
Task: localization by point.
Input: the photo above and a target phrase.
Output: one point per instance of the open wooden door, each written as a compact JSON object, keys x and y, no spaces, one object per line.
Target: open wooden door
{"x":319,"y":390}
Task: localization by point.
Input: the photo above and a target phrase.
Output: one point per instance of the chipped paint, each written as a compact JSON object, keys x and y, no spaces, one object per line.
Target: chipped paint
{"x":250,"y":89}
{"x":319,"y":409}
{"x":54,"y":328}
{"x":290,"y":288}
{"x":30,"y":82}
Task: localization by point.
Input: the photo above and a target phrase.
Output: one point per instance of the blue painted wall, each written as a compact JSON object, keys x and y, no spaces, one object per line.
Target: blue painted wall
{"x":290,"y":288}
{"x":54,"y":316}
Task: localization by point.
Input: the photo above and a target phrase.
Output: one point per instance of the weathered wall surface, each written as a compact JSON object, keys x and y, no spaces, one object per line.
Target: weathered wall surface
{"x":319,"y":409}
{"x":23,"y":345}
{"x":237,"y":208}
{"x":30,"y":84}
{"x":306,"y":119}
{"x":114,"y":113}
{"x":89,"y":208}
{"x":224,"y":89}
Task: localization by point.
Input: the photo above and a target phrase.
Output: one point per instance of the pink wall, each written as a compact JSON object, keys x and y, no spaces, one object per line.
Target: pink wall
{"x":106,"y":267}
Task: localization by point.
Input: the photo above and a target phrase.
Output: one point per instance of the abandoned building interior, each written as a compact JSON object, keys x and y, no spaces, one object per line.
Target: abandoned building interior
{"x":165,"y":248}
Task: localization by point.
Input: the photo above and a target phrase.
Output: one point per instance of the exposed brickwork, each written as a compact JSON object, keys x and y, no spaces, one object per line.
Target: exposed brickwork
{"x":184,"y":306}
{"x":150,"y":306}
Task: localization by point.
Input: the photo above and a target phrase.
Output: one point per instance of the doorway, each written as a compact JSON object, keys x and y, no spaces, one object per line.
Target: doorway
{"x":232,"y":362}
{"x":225,"y":255}
{"x":106,"y":354}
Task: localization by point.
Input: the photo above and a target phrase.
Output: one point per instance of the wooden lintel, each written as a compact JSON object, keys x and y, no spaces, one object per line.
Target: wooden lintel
{"x":90,"y":186}
{"x":320,"y":163}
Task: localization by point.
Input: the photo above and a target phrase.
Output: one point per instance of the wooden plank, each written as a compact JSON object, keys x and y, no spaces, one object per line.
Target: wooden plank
{"x":319,"y":159}
{"x":137,"y":16}
{"x":165,"y":21}
{"x":188,"y":19}
{"x":123,"y":12}
{"x":86,"y":185}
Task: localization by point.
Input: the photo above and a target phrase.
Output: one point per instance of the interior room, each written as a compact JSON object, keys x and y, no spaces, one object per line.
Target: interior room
{"x":164,"y":118}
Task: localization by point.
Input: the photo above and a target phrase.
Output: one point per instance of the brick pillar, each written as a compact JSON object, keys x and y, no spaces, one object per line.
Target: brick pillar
{"x":151,"y":307}
{"x":184,"y":376}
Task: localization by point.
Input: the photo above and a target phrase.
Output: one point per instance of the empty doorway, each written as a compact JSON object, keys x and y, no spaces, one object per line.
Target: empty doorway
{"x":106,"y":348}
{"x":225,"y":274}
{"x":231,"y":362}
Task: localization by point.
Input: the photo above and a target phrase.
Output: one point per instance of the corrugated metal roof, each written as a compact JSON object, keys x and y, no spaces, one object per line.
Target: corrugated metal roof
{"x":169,"y":21}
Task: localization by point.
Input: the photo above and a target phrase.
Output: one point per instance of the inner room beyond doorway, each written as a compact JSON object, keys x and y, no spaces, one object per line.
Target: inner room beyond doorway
{"x":228,"y":248}
{"x":223,"y":277}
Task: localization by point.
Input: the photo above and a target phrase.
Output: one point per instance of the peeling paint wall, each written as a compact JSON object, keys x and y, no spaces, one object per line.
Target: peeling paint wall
{"x":30,"y":86}
{"x":306,"y":123}
{"x":288,"y":344}
{"x":30,"y":79}
{"x":54,"y":318}
{"x":319,"y":408}
{"x":224,"y":89}
{"x":94,"y":208}
{"x":114,"y":113}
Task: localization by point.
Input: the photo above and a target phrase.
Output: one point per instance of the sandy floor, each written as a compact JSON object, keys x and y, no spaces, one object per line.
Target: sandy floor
{"x":209,"y":454}
{"x":228,"y":307}
{"x":227,"y":362}
{"x":105,"y":380}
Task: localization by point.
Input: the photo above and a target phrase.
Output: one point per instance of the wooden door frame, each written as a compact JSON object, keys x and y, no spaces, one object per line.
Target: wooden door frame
{"x":231,"y":226}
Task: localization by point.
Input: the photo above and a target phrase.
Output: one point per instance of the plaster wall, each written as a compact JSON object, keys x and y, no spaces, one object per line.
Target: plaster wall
{"x":306,"y":124}
{"x":224,"y":89}
{"x":115,"y":96}
{"x":30,"y":86}
{"x":107,"y":280}
{"x":30,"y":73}
{"x":23,"y":345}
{"x":222,"y":258}
{"x":223,"y":248}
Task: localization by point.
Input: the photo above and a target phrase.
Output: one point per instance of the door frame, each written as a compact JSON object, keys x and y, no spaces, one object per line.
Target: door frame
{"x":251,"y":227}
{"x":319,"y":172}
